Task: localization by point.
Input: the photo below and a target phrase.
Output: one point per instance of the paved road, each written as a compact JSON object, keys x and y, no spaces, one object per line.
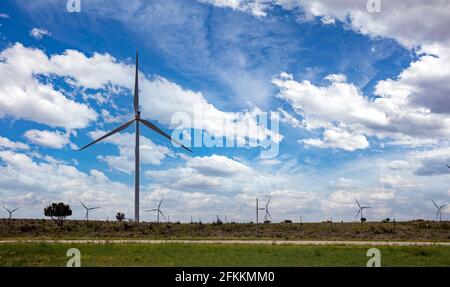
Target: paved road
{"x":262,"y":242}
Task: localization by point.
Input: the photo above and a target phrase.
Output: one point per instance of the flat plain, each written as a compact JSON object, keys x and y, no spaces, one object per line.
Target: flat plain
{"x":38,"y":252}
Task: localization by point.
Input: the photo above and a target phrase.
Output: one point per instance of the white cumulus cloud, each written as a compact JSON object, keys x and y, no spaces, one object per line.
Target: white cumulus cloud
{"x":6,"y":143}
{"x":50,"y":139}
{"x":23,"y":96}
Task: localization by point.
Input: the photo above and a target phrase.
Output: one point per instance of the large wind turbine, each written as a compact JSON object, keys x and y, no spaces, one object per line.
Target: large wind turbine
{"x":439,"y":210}
{"x":360,"y":210}
{"x":86,"y":217}
{"x":158,"y":211}
{"x":11,"y":211}
{"x":137,"y":119}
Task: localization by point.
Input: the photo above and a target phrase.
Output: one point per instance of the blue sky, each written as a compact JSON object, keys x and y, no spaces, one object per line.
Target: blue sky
{"x":363,"y":106}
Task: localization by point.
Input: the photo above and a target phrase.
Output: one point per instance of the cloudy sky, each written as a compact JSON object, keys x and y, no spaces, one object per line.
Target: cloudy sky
{"x":362,"y":97}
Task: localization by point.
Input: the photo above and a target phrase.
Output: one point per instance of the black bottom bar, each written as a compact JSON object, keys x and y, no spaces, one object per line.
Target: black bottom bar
{"x":226,"y":277}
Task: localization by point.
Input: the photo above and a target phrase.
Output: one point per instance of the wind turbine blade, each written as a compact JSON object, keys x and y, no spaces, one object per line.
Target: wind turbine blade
{"x":83,"y":204}
{"x":267,"y":204}
{"x":442,"y":206}
{"x":122,"y":127}
{"x":150,"y":210}
{"x":92,"y":208}
{"x":136,"y":86}
{"x":6,"y":209}
{"x":435,"y":204}
{"x":15,"y":209}
{"x":159,"y":205}
{"x":359,"y":211}
{"x":161,"y":132}
{"x":268,"y":213}
{"x":357,"y":202}
{"x":162,"y":214}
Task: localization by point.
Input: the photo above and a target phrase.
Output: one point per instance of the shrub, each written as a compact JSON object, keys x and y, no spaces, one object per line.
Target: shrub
{"x":120,"y":216}
{"x":58,"y":212}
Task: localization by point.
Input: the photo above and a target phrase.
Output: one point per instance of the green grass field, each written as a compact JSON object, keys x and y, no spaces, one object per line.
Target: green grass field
{"x":39,"y":254}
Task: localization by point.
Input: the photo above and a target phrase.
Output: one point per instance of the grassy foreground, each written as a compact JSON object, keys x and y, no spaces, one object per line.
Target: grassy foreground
{"x":173,"y":254}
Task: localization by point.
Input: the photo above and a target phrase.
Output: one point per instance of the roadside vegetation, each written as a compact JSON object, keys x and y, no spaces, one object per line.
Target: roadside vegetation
{"x":374,"y":231}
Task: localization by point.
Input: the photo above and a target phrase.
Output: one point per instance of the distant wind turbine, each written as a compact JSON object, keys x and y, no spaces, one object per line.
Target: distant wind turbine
{"x":439,"y":210}
{"x":158,"y":211}
{"x":86,"y":217}
{"x":138,"y":120}
{"x":257,"y":215}
{"x":267,"y":211}
{"x":11,"y":211}
{"x":360,"y":210}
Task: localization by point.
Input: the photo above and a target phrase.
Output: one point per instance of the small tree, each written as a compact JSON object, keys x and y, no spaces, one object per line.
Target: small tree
{"x":386,"y":220}
{"x":120,"y":216}
{"x":363,"y":219}
{"x":58,"y":212}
